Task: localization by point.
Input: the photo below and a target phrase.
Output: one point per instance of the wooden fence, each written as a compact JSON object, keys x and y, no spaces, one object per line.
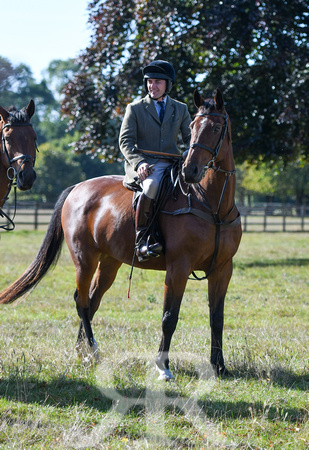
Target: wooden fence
{"x":263,"y":218}
{"x":275,"y":217}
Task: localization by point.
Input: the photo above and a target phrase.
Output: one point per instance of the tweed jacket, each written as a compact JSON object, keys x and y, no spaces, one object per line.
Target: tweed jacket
{"x":141,"y":128}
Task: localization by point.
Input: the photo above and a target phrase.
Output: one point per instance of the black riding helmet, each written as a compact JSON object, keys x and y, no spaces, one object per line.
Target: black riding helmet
{"x":162,"y":70}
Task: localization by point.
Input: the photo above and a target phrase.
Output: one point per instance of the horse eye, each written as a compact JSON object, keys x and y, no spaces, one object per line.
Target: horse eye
{"x":217,"y":128}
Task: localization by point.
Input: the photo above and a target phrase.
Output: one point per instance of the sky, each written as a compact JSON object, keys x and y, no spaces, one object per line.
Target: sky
{"x":35,"y":32}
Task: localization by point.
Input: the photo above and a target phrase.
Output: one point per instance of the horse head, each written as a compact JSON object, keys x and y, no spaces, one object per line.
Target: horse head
{"x":18,"y":145}
{"x":210,"y":137}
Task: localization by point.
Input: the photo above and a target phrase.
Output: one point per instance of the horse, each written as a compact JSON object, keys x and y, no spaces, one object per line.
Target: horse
{"x":18,"y":150}
{"x":200,"y":224}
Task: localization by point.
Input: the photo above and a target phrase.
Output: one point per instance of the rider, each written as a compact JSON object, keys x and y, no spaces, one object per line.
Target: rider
{"x":144,"y":128}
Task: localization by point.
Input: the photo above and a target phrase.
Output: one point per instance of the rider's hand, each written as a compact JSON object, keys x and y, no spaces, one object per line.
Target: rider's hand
{"x":143,"y":171}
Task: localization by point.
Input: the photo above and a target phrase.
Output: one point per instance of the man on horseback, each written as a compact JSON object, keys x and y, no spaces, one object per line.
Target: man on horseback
{"x":153,"y":124}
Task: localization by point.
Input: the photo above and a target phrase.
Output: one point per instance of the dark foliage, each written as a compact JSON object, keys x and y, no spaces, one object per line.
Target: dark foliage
{"x":255,"y":51}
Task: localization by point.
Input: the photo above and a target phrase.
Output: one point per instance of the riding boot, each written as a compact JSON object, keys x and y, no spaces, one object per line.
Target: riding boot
{"x":144,"y":215}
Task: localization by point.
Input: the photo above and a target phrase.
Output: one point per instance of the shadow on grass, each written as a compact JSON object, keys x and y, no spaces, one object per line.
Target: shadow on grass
{"x":247,"y":410}
{"x":57,"y":393}
{"x":276,"y":376}
{"x":298,"y":262}
{"x":62,"y":392}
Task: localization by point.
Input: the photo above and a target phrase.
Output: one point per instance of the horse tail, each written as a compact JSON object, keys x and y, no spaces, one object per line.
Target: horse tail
{"x":46,"y":257}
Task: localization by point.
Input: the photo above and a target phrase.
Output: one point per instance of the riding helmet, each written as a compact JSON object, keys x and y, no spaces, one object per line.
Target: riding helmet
{"x":162,"y":70}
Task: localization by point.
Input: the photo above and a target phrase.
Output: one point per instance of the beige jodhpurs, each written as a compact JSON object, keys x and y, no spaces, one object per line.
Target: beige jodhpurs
{"x":151,"y":184}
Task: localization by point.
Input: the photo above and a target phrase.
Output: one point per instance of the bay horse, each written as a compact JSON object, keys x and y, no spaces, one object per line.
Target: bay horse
{"x":18,"y":151}
{"x":200,"y":225}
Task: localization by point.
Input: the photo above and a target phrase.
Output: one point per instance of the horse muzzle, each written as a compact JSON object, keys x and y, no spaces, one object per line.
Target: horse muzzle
{"x":25,"y":178}
{"x":192,"y":173}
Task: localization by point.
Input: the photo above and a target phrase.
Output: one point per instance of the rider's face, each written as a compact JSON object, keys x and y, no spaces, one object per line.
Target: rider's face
{"x":156,"y":88}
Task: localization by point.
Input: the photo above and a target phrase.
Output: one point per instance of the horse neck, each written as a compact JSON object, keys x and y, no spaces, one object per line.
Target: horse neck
{"x":4,"y":183}
{"x":3,"y":176}
{"x":215,"y":182}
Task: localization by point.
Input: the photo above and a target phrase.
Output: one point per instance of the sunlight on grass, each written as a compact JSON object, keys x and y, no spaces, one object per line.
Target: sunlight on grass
{"x":51,"y":399}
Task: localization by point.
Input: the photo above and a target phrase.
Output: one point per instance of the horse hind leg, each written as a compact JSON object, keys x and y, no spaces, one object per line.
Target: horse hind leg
{"x":85,"y":334}
{"x":85,"y":268}
{"x":103,"y":279}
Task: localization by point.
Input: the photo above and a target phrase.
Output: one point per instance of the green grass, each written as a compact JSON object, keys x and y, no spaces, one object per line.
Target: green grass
{"x":51,"y":399}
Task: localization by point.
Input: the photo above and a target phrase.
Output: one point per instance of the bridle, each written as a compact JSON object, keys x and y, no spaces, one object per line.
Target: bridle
{"x":12,"y":173}
{"x":215,"y":214}
{"x":214,"y":152}
{"x":23,"y":158}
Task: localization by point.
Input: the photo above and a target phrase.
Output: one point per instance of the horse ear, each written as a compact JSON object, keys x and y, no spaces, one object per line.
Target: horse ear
{"x":198,"y":99}
{"x":30,"y":109}
{"x":219,"y":100}
{"x":4,"y":113}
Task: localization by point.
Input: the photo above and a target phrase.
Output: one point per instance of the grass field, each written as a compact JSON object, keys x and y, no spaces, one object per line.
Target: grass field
{"x":51,"y":399}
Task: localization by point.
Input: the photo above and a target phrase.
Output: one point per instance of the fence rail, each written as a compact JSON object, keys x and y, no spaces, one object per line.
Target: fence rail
{"x":269,"y":217}
{"x":29,"y":215}
{"x":275,"y":217}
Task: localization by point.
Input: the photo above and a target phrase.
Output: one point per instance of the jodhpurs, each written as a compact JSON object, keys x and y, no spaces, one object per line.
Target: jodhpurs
{"x":151,"y":184}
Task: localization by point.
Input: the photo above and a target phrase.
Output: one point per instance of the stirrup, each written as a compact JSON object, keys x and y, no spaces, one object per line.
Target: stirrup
{"x":147,"y":250}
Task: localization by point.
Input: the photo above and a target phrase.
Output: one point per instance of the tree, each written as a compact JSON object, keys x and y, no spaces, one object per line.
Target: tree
{"x":292,"y":182}
{"x":255,"y":50}
{"x":17,"y":88}
{"x":284,"y":183}
{"x":57,"y":168}
{"x":59,"y":73}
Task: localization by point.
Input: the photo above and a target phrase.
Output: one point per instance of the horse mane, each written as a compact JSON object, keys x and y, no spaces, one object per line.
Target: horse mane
{"x":16,"y":116}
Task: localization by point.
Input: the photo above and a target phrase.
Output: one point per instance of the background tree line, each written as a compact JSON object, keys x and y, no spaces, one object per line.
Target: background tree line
{"x":255,"y":51}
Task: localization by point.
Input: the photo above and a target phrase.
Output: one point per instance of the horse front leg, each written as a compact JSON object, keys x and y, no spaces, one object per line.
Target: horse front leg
{"x":218,"y":283}
{"x":173,"y":292}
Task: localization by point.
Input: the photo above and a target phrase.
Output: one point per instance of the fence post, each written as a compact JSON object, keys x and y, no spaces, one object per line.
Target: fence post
{"x":36,"y":215}
{"x":302,"y":209}
{"x":265,"y":218}
{"x":284,"y":217}
{"x":245,"y":222}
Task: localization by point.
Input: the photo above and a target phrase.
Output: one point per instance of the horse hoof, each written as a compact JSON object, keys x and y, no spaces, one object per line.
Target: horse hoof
{"x":86,"y":353}
{"x":165,"y":375}
{"x":221,"y":371}
{"x":95,"y":351}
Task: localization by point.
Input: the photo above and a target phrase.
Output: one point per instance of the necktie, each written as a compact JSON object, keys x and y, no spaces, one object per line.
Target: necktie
{"x":162,"y":110}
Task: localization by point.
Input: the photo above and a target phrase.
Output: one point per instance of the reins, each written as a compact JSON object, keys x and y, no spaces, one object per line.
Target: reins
{"x":10,"y":226}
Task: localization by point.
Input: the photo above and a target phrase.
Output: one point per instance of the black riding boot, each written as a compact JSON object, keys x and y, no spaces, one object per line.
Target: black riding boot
{"x":144,"y":214}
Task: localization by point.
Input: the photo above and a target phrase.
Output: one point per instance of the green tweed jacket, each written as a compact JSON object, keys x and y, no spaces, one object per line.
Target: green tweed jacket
{"x":141,"y":128}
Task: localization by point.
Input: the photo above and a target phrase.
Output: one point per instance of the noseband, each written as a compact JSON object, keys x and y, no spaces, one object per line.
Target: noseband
{"x":23,"y":158}
{"x":215,"y":151}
